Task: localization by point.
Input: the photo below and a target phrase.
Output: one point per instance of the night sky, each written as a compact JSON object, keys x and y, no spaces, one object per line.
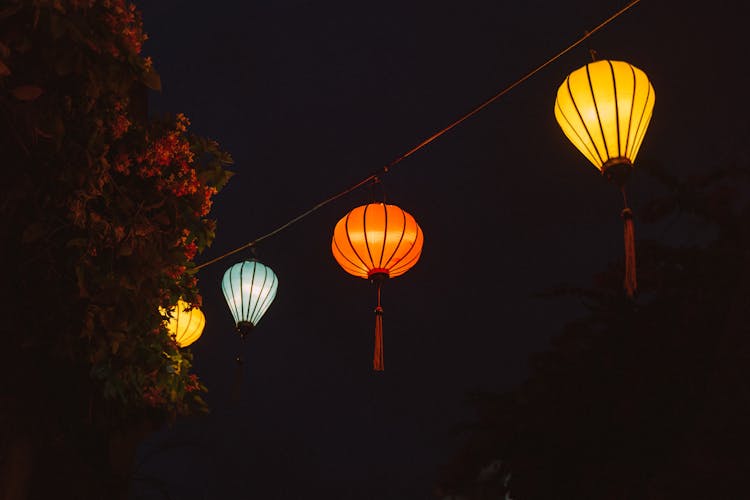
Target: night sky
{"x":312,"y":97}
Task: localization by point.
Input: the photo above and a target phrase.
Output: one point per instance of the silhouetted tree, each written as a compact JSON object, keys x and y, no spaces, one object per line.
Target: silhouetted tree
{"x":102,"y":212}
{"x":646,"y":398}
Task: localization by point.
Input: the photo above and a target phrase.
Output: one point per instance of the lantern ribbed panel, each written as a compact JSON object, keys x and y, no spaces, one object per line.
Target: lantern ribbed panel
{"x":377,"y":238}
{"x":249,"y":288}
{"x":186,"y":326}
{"x":604,"y":109}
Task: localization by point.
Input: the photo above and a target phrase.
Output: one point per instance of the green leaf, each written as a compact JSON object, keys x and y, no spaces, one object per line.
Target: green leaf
{"x":152,"y":80}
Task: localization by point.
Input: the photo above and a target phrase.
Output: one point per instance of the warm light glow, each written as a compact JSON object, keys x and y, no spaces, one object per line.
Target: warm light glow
{"x":377,"y":238}
{"x":185,"y":324}
{"x":604,"y":109}
{"x":249,"y":288}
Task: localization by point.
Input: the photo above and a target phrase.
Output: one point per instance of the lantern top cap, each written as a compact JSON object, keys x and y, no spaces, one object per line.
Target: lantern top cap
{"x":610,"y":66}
{"x":376,"y":203}
{"x":601,"y":62}
{"x":249,"y":260}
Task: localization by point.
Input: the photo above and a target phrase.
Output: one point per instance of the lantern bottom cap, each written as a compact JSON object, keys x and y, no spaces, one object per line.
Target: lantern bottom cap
{"x":617,"y":170}
{"x":378,"y":273}
{"x":244,"y":328}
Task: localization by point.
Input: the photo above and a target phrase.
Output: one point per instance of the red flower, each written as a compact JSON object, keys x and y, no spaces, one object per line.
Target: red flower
{"x":153,"y":396}
{"x":190,"y":250}
{"x":175,"y":272}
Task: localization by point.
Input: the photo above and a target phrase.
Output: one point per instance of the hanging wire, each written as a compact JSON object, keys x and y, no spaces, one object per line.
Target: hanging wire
{"x":385,"y":169}
{"x":377,"y":189}
{"x":281,"y":228}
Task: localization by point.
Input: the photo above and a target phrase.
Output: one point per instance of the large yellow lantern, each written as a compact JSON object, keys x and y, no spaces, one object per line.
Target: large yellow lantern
{"x":375,"y":242}
{"x":604,"y":108}
{"x":185,"y":324}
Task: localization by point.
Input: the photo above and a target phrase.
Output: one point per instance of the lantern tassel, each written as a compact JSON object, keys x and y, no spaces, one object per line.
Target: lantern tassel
{"x":238,"y":378}
{"x":377,"y":360}
{"x":629,"y":282}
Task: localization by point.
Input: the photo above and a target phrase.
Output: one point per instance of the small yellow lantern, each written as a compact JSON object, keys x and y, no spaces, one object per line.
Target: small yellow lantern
{"x":185,"y":324}
{"x":604,"y":108}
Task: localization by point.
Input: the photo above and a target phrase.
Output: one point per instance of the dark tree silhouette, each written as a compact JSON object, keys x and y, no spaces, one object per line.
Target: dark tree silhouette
{"x":102,"y":211}
{"x":646,"y":398}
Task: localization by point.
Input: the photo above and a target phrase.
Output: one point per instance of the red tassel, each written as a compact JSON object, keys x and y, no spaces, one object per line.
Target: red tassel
{"x":629,"y":282}
{"x":377,"y":360}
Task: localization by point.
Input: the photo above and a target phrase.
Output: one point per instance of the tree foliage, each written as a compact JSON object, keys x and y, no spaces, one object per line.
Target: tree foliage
{"x":646,"y":398}
{"x":103,"y":211}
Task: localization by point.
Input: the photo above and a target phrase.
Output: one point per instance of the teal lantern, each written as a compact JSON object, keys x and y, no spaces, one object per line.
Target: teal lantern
{"x":249,"y":288}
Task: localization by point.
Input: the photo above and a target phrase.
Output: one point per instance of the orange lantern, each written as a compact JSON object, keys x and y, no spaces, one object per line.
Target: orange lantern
{"x":375,"y":242}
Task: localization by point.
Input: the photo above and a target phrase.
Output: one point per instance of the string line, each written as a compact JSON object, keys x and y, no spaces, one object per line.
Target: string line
{"x":385,"y":169}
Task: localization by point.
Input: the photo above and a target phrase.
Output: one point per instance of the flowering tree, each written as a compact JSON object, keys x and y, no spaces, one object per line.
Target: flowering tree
{"x":103,"y":211}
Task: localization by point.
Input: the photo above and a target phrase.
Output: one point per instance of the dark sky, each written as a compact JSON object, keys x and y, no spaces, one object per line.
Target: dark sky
{"x":310,"y":98}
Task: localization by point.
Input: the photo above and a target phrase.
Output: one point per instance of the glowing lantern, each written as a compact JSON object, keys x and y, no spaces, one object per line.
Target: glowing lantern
{"x":604,"y":108}
{"x":249,"y":288}
{"x":185,"y":324}
{"x":375,"y":242}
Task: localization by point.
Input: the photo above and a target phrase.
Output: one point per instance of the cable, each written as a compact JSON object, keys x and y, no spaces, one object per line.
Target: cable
{"x":386,"y":168}
{"x":281,"y":228}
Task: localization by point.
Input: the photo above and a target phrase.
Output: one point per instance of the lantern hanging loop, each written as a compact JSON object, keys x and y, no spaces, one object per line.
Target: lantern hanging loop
{"x":378,"y":185}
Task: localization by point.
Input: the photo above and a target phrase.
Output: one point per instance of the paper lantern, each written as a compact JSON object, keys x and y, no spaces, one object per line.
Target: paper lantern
{"x":604,"y":108}
{"x":185,"y":324}
{"x":375,"y":242}
{"x":249,"y":288}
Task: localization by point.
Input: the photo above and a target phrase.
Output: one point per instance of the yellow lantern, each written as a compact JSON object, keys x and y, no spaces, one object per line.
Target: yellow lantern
{"x":375,"y":242}
{"x":184,"y":324}
{"x":604,"y":108}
